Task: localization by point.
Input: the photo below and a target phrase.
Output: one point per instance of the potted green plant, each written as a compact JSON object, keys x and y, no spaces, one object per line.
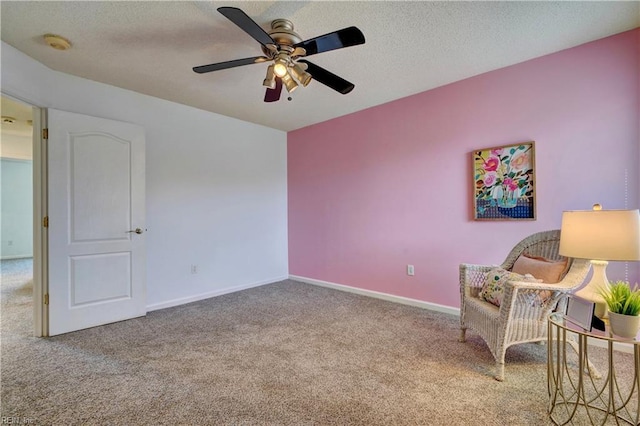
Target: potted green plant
{"x":624,"y":308}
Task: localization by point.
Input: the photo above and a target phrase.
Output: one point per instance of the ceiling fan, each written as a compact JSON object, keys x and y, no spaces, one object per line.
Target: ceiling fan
{"x":284,"y":48}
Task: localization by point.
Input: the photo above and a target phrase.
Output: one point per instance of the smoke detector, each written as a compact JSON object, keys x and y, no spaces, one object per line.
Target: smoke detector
{"x":57,"y":42}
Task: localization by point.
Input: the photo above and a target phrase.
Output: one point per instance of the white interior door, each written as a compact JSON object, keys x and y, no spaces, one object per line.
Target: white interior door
{"x":95,"y":204}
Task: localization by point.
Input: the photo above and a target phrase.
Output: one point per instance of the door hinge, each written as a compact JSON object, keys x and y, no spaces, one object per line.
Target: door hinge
{"x":45,"y":133}
{"x":45,"y":222}
{"x":46,"y":299}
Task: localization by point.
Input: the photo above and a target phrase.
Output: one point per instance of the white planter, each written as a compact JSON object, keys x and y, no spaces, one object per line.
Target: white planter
{"x":625,"y":326}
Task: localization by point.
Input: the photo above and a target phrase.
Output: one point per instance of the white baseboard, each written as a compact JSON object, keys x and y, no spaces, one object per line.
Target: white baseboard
{"x":379,"y":295}
{"x":20,"y":256}
{"x":208,"y":295}
{"x":623,"y":347}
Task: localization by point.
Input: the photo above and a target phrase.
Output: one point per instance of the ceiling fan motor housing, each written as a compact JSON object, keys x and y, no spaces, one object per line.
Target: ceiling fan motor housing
{"x":282,"y":33}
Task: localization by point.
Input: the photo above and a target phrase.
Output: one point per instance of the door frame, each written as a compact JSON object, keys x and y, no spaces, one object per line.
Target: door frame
{"x":40,"y":208}
{"x":40,"y":185}
{"x":40,"y":234}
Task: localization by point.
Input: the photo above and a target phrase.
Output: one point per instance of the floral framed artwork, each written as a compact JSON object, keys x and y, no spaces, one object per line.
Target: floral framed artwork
{"x":504,"y":187}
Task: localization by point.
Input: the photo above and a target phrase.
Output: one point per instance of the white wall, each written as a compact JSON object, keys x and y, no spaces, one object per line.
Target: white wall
{"x":216,"y":186}
{"x":16,"y":208}
{"x":16,"y":146}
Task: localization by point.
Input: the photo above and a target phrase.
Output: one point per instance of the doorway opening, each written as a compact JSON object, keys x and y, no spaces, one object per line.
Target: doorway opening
{"x":17,"y":188}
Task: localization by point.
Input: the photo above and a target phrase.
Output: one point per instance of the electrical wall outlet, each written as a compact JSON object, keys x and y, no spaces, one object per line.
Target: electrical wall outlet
{"x":194,"y":269}
{"x":410,"y":271}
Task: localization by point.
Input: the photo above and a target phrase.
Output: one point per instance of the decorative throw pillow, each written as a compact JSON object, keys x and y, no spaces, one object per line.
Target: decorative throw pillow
{"x":493,"y":287}
{"x":549,"y":271}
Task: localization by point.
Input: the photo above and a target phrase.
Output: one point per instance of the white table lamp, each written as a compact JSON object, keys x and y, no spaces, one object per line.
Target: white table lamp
{"x":600,"y":236}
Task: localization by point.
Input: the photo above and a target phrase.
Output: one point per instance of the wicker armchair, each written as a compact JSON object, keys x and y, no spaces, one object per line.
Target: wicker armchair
{"x":517,"y":320}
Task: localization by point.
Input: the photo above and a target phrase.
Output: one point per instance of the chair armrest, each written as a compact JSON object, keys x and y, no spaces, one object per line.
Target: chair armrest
{"x":524,"y":296}
{"x":527,"y":285}
{"x":469,"y":273}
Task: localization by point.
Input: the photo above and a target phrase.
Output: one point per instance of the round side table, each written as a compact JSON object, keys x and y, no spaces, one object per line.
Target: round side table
{"x":578,"y":397}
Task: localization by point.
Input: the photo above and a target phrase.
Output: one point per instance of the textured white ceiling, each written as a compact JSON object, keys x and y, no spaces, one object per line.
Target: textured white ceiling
{"x":16,"y":137}
{"x":22,"y":115}
{"x":150,"y":47}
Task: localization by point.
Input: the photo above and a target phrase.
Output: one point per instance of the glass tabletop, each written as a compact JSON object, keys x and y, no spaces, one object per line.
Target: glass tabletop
{"x":560,"y":320}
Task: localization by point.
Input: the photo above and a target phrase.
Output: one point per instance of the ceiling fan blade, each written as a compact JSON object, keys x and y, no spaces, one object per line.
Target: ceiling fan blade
{"x":229,"y":64}
{"x":248,"y":25}
{"x":329,"y":79}
{"x":273,"y":95}
{"x":346,"y":37}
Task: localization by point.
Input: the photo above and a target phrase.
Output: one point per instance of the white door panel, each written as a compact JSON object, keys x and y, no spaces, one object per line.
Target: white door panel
{"x":99,"y":196}
{"x":96,"y":197}
{"x":100,"y":277}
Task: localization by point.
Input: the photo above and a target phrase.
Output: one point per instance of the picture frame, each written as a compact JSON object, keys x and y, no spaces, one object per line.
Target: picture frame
{"x":580,"y":312}
{"x":504,"y":182}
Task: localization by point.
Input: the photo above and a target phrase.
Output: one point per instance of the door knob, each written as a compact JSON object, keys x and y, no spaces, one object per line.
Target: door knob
{"x":137,"y":231}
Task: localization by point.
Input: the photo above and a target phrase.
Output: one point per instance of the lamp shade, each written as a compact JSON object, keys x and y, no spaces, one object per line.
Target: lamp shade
{"x":601,"y":234}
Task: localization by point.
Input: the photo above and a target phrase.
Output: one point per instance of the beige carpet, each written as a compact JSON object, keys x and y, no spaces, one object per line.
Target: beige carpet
{"x":282,"y":354}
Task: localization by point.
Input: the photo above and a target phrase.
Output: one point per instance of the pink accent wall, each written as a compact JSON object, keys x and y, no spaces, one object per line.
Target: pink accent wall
{"x":389,"y":186}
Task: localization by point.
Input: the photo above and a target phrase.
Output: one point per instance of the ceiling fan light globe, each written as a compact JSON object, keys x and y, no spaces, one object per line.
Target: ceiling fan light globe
{"x":271,"y":84}
{"x":301,"y":75}
{"x":292,"y":88}
{"x":280,"y":69}
{"x":306,"y":79}
{"x":270,"y":80}
{"x":289,"y":83}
